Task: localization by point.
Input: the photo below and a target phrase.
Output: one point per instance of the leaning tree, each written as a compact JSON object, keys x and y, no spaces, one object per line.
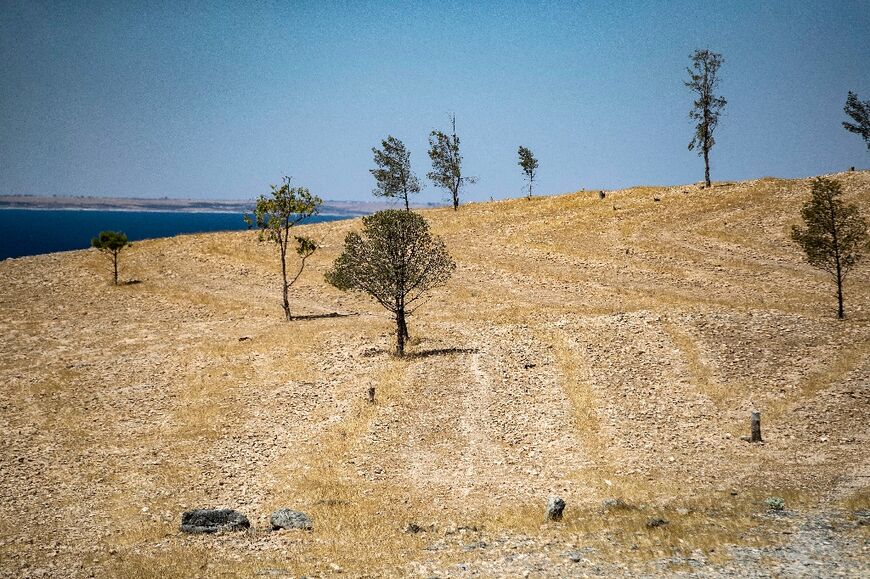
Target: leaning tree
{"x":393,"y":173}
{"x":859,"y":111}
{"x":707,"y":107}
{"x":396,"y":261}
{"x":447,"y":163}
{"x":275,"y":215}
{"x":529,"y":165}
{"x":835,"y":233}
{"x":111,"y":243}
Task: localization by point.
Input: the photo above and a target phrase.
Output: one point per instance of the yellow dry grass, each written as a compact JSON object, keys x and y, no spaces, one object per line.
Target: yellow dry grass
{"x":595,"y":348}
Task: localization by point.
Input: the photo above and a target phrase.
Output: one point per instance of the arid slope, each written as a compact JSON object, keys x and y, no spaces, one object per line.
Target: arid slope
{"x":588,"y":348}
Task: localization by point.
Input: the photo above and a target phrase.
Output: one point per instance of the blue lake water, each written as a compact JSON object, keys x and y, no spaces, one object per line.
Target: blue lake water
{"x":34,"y":231}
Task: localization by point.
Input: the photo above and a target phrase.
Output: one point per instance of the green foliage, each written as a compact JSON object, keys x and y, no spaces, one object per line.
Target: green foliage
{"x":835,"y":233}
{"x":393,"y":173}
{"x":285,"y":207}
{"x":447,"y":163}
{"x":775,"y":503}
{"x":707,"y":107}
{"x":305,"y":246}
{"x":396,"y":261}
{"x":529,"y":165}
{"x":111,"y":243}
{"x":860,"y":113}
{"x":275,"y":215}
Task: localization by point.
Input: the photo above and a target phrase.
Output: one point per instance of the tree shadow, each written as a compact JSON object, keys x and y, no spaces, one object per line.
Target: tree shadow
{"x":305,"y":317}
{"x":372,"y":352}
{"x":441,"y":352}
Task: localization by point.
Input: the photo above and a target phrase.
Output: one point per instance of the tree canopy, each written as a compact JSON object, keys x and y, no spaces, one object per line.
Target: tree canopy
{"x":860,"y":113}
{"x":393,"y":172}
{"x":396,"y":261}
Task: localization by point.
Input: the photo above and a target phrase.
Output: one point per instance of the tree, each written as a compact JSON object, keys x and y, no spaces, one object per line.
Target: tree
{"x":111,"y":243}
{"x":275,"y":215}
{"x":704,"y":80}
{"x":393,"y":174}
{"x":529,"y":165}
{"x":834,"y":235}
{"x":396,"y":261}
{"x":447,"y":163}
{"x":860,"y":113}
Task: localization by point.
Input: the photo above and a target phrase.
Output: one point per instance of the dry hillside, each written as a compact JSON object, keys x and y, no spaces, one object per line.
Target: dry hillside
{"x":588,"y":348}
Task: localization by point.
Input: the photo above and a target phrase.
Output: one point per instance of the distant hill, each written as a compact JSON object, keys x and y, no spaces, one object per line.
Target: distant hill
{"x":338,"y":208}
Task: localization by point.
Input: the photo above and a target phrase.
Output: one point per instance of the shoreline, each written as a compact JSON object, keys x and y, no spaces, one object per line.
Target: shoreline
{"x":161,"y":210}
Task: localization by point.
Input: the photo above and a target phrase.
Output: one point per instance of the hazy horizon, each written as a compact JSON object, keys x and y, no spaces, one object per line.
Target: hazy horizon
{"x":217,"y":101}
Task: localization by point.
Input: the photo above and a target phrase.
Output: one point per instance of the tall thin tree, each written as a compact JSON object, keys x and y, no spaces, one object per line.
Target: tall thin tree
{"x":707,"y":107}
{"x":275,"y":216}
{"x":835,"y":233}
{"x":447,"y":163}
{"x":860,"y":113}
{"x":529,"y":165}
{"x":393,"y":173}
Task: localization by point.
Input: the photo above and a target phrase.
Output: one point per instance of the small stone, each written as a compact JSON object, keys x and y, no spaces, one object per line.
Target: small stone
{"x":615,"y":504}
{"x":555,"y":506}
{"x":656,"y":522}
{"x":289,"y":519}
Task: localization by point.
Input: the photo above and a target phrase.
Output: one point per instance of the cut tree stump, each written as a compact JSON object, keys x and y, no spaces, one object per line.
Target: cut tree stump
{"x":370,"y":395}
{"x":755,"y":426}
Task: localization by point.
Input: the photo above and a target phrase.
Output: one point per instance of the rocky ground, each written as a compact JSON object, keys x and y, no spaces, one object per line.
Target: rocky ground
{"x":587,"y":348}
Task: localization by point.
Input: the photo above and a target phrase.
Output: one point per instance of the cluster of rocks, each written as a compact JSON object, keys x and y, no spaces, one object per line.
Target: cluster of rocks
{"x":200,"y":521}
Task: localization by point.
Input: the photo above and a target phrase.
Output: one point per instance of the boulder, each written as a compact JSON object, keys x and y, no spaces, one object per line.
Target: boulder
{"x":289,"y":519}
{"x":213,"y":521}
{"x":555,"y":506}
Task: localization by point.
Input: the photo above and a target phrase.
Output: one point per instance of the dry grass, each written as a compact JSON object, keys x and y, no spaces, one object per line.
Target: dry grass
{"x":629,"y":311}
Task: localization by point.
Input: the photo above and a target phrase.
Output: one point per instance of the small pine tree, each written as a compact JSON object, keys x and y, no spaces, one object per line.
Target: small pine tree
{"x":529,"y":165}
{"x":275,"y":216}
{"x":111,"y":243}
{"x":835,"y":233}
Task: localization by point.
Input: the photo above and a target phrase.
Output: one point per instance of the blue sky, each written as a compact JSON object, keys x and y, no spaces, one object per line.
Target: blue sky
{"x":218,"y":100}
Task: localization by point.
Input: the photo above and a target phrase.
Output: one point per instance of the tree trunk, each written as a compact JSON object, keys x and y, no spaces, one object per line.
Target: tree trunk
{"x":370,"y":395}
{"x":407,"y":206}
{"x":841,"y":314}
{"x":115,"y":263}
{"x":456,"y":200}
{"x":707,"y":167}
{"x":404,"y":328}
{"x":286,"y":304}
{"x":401,"y":329}
{"x":755,"y":427}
